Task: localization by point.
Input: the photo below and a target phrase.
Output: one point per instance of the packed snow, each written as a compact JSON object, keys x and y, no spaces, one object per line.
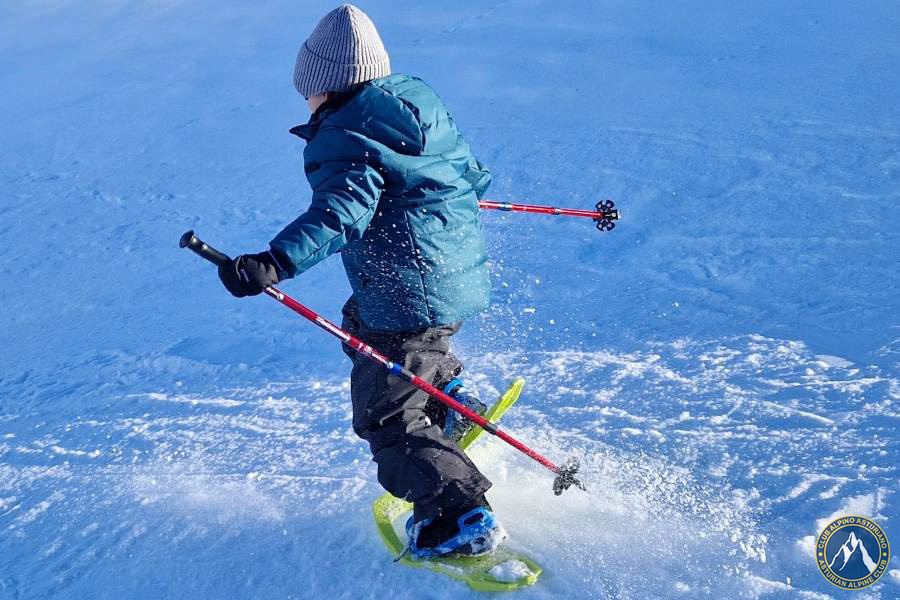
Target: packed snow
{"x":511,"y":570}
{"x":725,"y":363}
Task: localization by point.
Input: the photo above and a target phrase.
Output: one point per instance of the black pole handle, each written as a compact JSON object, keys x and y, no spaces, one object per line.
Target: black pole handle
{"x":202,"y":249}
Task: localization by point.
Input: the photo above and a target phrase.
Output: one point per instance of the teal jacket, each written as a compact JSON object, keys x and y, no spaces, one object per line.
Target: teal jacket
{"x":395,"y":191}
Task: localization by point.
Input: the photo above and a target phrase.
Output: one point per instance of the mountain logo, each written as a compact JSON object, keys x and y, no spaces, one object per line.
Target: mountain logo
{"x":852,"y":552}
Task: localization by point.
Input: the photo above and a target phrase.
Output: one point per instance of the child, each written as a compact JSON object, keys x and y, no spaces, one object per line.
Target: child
{"x":395,"y":190}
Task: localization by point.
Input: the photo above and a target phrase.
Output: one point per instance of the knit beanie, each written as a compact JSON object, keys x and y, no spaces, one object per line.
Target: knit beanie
{"x":343,"y":50}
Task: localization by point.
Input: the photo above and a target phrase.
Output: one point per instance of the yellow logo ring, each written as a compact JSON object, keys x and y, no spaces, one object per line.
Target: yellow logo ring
{"x":877,"y":534}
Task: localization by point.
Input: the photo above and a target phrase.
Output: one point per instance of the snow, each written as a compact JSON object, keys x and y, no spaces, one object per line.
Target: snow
{"x":511,"y":570}
{"x":725,"y":363}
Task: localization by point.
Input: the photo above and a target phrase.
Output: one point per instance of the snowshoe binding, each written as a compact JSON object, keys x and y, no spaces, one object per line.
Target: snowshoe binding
{"x":467,"y":532}
{"x":457,"y":426}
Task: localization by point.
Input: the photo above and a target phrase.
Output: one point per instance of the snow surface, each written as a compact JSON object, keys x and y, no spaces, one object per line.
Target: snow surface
{"x":511,"y":570}
{"x":726,"y":363}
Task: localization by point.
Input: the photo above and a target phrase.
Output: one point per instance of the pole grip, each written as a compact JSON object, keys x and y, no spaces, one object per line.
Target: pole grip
{"x":202,"y":249}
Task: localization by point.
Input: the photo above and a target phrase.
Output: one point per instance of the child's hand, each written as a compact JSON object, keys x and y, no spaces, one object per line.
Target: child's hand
{"x":249,"y":274}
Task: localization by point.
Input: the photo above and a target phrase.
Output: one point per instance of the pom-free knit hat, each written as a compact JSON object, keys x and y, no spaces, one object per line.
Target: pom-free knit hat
{"x":343,"y":50}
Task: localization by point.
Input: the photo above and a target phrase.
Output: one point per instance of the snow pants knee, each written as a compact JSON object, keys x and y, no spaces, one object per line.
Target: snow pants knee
{"x":416,"y":461}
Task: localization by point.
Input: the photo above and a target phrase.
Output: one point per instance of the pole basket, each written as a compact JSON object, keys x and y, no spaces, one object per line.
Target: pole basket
{"x":565,"y":477}
{"x":606,"y":221}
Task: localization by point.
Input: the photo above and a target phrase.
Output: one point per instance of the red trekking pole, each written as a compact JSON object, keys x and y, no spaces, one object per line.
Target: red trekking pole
{"x":565,"y":475}
{"x":605,"y":216}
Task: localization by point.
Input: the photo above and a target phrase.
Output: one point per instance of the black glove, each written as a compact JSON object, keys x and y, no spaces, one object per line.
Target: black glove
{"x":249,"y":274}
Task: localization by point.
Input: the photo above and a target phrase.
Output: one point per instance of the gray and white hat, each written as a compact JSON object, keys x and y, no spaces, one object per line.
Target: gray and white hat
{"x":343,"y":50}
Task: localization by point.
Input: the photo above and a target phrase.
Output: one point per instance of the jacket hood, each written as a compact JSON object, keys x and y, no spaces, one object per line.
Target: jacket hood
{"x":391,"y":111}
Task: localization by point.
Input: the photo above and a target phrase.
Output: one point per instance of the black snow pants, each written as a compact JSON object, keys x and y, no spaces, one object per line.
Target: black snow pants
{"x":416,"y":461}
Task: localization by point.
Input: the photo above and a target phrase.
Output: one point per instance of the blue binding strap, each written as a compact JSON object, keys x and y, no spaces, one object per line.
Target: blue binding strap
{"x":451,"y":387}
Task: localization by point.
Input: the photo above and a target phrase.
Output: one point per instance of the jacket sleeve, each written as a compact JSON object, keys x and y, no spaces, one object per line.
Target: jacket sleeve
{"x":478,"y":176}
{"x":345,"y":194}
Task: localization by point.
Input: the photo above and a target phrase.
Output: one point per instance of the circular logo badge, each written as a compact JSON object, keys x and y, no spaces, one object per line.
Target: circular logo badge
{"x":852,"y":552}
